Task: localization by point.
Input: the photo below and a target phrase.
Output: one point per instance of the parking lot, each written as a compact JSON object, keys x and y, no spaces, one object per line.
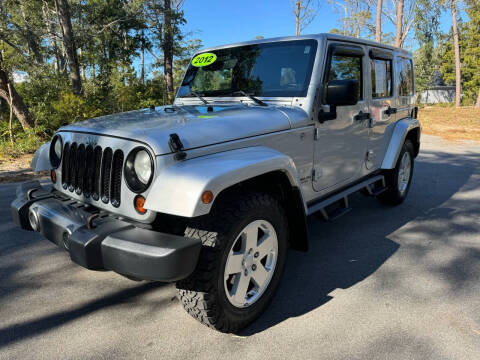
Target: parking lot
{"x":378,"y":283}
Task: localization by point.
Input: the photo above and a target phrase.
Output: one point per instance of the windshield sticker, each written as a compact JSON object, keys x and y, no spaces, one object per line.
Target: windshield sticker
{"x":206,"y":116}
{"x":204,"y":59}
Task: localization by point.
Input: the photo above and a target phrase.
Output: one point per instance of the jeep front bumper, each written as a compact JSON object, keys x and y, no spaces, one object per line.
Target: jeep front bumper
{"x":98,"y":241}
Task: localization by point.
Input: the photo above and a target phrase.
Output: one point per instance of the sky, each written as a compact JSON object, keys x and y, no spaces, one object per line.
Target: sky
{"x":218,"y":22}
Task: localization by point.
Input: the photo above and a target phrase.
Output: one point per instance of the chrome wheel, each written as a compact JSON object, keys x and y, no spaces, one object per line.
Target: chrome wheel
{"x":251,"y":263}
{"x":404,"y":172}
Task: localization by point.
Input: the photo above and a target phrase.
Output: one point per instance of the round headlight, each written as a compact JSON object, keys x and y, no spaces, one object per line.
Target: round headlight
{"x":138,"y":169}
{"x":143,"y":166}
{"x":56,"y":150}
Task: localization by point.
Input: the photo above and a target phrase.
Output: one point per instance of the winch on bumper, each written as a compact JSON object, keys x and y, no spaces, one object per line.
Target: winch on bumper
{"x":97,"y":241}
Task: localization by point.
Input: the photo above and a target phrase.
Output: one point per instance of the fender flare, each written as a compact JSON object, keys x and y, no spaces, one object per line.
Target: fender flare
{"x":400,"y":132}
{"x":178,"y":188}
{"x":41,"y":158}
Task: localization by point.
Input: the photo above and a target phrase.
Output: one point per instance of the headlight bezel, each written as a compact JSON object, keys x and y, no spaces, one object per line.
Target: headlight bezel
{"x":130,"y":175}
{"x":56,"y":160}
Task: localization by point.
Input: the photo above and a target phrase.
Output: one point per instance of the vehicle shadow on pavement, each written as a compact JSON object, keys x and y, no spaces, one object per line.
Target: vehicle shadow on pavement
{"x":347,"y":251}
{"x":16,"y":332}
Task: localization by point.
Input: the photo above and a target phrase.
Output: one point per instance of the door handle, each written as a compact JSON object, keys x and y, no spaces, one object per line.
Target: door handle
{"x":390,"y":111}
{"x":361,"y":116}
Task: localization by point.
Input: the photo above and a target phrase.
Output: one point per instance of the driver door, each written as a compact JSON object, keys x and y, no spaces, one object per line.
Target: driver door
{"x":341,"y":143}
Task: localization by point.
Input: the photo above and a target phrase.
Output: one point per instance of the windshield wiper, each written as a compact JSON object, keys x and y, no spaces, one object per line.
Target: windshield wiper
{"x":199,"y":96}
{"x":251,"y":97}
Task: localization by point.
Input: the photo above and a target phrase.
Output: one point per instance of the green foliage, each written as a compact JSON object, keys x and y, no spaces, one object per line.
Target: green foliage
{"x":110,"y":36}
{"x":436,"y":50}
{"x":427,"y":14}
{"x":53,"y":104}
{"x":469,"y":58}
{"x":447,"y":55}
{"x":70,"y":108}
{"x":25,"y":141}
{"x":471,"y":53}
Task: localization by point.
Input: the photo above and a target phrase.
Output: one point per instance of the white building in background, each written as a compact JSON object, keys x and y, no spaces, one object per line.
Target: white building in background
{"x":437,"y":92}
{"x":437,"y":95}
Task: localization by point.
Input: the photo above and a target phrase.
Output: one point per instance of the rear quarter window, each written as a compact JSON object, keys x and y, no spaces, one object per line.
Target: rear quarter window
{"x":405,"y":77}
{"x":381,"y":74}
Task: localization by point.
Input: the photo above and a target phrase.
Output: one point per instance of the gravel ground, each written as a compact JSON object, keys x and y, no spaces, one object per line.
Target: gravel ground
{"x":379,"y":283}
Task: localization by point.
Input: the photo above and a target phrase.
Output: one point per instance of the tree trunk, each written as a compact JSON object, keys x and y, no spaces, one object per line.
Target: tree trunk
{"x":142,"y":59}
{"x":56,"y":57}
{"x":142,"y":70}
{"x":168,"y":48}
{"x":458,"y":75}
{"x":10,"y":95}
{"x":398,"y":37}
{"x":70,"y":48}
{"x":378,"y":27}
{"x":477,"y":104}
{"x":31,"y":38}
{"x":51,"y":35}
{"x":82,"y":67}
{"x":297,"y":17}
{"x":61,"y":46}
{"x":10,"y":119}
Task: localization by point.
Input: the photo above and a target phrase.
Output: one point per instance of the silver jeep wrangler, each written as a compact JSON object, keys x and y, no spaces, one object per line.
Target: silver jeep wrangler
{"x":211,"y":191}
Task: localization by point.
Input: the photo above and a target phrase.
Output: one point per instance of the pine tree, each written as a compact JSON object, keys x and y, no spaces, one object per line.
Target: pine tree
{"x":471,"y":58}
{"x":426,"y":32}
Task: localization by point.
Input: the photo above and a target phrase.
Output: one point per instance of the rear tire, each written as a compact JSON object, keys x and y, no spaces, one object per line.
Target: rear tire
{"x":210,"y":293}
{"x":399,"y":179}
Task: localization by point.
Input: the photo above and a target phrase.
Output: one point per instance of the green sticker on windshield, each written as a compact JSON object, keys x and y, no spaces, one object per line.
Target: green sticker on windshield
{"x":204,"y":59}
{"x":206,"y":116}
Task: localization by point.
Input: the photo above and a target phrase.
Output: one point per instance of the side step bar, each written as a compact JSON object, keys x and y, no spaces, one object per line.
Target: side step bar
{"x":336,"y":205}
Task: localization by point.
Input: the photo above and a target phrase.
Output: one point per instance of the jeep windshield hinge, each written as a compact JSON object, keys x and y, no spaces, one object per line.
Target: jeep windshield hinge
{"x":176,"y":146}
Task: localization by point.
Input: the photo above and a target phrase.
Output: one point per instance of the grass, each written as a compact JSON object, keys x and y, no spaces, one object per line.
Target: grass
{"x":451,"y":123}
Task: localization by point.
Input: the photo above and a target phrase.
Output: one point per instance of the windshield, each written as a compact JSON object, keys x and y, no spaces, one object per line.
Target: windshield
{"x":269,"y":69}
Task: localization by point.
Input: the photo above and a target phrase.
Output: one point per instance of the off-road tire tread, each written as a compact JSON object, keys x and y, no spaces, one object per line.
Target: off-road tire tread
{"x":195,"y":292}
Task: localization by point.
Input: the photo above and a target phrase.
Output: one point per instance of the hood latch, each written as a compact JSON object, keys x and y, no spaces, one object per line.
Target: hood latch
{"x":176,"y":146}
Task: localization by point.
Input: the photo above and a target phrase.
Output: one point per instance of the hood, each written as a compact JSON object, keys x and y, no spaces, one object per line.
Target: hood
{"x":194,"y":125}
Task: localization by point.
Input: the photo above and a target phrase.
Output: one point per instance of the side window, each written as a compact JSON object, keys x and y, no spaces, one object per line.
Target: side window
{"x":405,"y":78}
{"x":344,"y":67}
{"x":381,"y":71}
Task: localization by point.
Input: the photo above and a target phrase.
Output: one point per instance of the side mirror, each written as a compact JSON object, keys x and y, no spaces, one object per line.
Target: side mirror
{"x":342,"y":92}
{"x":339,"y":93}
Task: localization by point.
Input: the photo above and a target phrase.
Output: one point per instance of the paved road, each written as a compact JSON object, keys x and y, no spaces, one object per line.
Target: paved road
{"x":380,"y":283}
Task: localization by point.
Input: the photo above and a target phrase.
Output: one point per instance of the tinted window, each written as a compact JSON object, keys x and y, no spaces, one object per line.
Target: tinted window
{"x":343,"y":67}
{"x":381,"y":71}
{"x":270,"y":69}
{"x":405,"y":77}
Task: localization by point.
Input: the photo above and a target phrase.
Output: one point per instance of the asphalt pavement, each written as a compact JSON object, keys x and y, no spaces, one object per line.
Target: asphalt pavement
{"x":378,"y":283}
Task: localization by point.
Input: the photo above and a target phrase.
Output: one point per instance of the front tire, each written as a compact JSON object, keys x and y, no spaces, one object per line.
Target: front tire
{"x":244,"y":245}
{"x":399,"y":179}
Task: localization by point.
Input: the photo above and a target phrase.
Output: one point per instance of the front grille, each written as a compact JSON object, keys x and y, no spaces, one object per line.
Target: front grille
{"x":93,"y":172}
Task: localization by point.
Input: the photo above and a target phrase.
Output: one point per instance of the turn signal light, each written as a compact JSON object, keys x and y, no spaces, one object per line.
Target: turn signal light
{"x":139,"y":202}
{"x":207,"y":197}
{"x":53,"y":176}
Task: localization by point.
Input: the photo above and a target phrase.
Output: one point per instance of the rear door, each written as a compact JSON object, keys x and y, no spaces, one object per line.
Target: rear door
{"x":341,"y":144}
{"x":383,"y":107}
